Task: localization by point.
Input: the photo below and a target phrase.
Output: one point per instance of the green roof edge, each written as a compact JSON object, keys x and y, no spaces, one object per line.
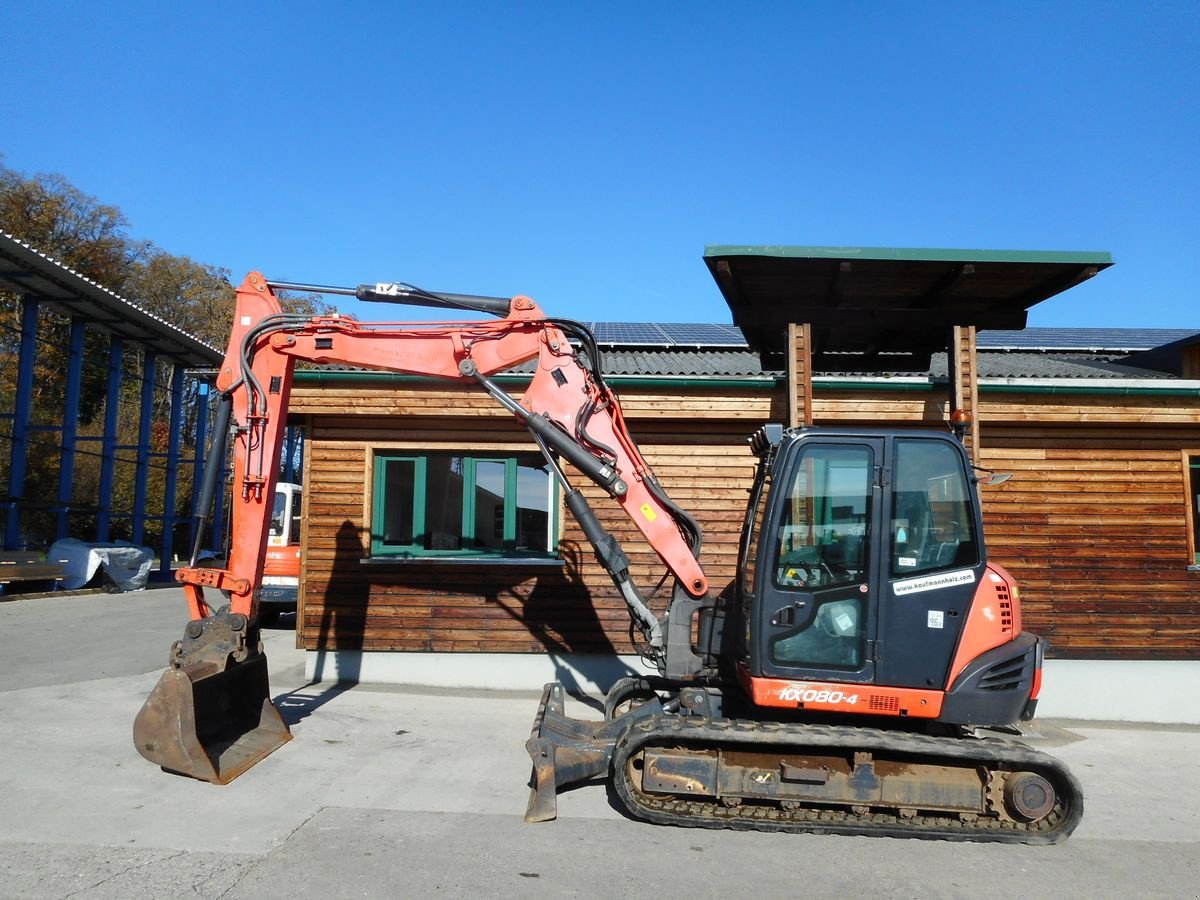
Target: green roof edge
{"x":771,"y":382}
{"x":1080,"y":257}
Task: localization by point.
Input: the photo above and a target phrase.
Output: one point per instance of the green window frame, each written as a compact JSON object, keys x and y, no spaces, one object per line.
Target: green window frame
{"x":442,"y":503}
{"x":1191,"y":477}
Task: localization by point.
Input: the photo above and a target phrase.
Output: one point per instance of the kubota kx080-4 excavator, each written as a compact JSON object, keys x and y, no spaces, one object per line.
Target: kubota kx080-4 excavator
{"x":835,"y":686}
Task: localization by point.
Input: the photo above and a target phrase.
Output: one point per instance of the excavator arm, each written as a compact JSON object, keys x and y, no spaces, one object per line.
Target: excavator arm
{"x":571,"y":414}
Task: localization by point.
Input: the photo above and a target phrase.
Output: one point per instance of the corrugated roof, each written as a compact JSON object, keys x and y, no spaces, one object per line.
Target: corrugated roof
{"x":712,"y":363}
{"x":26,"y":270}
{"x":722,"y":364}
{"x":739,"y":363}
{"x":1048,"y":365}
{"x":1090,"y":340}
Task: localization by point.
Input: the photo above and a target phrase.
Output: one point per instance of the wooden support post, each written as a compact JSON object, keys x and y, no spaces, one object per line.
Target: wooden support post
{"x":799,"y":374}
{"x":964,"y":383}
{"x":1191,"y":362}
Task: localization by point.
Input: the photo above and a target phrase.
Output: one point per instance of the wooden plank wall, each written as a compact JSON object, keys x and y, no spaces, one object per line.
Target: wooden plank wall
{"x":1092,"y":526}
{"x":698,"y":450}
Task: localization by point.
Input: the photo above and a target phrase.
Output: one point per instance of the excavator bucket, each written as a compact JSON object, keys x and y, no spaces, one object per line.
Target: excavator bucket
{"x":210,"y":716}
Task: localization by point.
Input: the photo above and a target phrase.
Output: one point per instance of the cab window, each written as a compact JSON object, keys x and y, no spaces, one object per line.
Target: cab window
{"x":933,"y":521}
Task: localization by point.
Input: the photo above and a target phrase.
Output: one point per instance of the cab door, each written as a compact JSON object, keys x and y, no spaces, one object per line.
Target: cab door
{"x":933,"y":560}
{"x":815,"y":610}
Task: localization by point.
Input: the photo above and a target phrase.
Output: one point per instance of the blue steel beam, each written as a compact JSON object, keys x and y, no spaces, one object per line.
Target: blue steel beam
{"x":70,"y":426}
{"x":108,"y":451}
{"x":22,"y":408}
{"x":289,"y":454}
{"x":141,"y":478}
{"x":203,"y":389}
{"x":174,"y":437}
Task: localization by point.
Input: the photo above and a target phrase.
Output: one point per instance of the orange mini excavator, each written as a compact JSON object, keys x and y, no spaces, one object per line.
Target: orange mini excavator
{"x":838,"y":685}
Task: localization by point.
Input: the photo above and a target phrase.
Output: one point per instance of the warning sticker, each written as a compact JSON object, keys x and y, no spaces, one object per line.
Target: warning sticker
{"x":933,"y":582}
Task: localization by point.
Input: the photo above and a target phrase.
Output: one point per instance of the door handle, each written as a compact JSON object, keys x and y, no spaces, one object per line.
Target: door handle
{"x":786,"y":617}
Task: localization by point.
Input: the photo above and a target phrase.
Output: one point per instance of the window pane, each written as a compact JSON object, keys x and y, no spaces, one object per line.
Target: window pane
{"x":822,"y":551}
{"x":399,"y":491}
{"x":489,"y":504}
{"x":443,"y":503}
{"x":277,"y":513}
{"x":447,"y":502}
{"x":933,"y":526}
{"x":821,"y":540}
{"x":533,"y":506}
{"x":294,"y":537}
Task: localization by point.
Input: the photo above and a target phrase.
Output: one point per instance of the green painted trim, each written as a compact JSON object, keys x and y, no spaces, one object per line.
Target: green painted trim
{"x":770,"y":383}
{"x":319,"y":376}
{"x":1098,"y":391}
{"x":909,"y":254}
{"x":382,"y":461}
{"x":912,"y":387}
{"x":758,"y":382}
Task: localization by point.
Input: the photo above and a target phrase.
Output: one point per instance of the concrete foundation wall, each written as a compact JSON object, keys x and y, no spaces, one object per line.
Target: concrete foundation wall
{"x":1165,"y":691}
{"x":1162,"y":691}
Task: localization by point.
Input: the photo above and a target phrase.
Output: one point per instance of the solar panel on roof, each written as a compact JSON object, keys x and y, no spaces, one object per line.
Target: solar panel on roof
{"x":1119,"y":339}
{"x":697,"y":334}
{"x":667,"y":334}
{"x":644,"y":333}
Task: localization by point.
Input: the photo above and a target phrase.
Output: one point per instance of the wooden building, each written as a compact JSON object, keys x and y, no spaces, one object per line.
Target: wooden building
{"x":1100,"y":428}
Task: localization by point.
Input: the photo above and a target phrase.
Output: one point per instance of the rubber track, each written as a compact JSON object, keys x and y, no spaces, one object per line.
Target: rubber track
{"x":991,"y":753}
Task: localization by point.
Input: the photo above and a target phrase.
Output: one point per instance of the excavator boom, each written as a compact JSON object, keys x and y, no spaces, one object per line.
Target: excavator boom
{"x":186,"y":725}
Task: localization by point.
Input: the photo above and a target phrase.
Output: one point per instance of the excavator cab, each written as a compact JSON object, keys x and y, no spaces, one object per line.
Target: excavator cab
{"x":835,"y":518}
{"x":862,"y":563}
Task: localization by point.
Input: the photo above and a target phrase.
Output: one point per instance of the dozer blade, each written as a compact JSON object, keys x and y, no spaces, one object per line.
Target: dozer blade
{"x":567,"y":751}
{"x":210,"y":716}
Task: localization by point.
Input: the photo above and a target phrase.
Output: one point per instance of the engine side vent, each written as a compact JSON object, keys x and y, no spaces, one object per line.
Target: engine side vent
{"x":1004,"y":597}
{"x":1007,"y":675}
{"x":884,"y":703}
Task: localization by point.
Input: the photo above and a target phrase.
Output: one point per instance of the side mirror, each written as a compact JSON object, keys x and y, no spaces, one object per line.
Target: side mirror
{"x":991,"y":478}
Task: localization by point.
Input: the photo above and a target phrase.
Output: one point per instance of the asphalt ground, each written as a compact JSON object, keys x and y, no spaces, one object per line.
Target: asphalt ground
{"x":405,"y":792}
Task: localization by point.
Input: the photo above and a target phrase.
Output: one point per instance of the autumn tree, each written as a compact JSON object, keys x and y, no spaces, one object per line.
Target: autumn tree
{"x":76,"y":229}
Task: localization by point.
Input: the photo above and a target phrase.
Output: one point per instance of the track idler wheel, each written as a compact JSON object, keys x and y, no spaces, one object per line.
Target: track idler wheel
{"x":1028,"y":796}
{"x":210,"y":716}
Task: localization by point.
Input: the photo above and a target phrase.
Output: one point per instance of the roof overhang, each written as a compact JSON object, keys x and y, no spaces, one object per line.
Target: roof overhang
{"x":888,"y":308}
{"x":26,"y":271}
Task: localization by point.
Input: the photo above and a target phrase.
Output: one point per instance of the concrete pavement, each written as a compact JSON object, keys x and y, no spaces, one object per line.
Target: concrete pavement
{"x":391,"y":792}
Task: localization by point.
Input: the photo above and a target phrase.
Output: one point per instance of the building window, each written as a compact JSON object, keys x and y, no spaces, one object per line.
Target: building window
{"x":451,"y":504}
{"x":1191,"y":463}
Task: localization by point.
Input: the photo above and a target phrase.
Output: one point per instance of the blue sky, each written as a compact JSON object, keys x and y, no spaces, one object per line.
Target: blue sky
{"x":585,"y":153}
